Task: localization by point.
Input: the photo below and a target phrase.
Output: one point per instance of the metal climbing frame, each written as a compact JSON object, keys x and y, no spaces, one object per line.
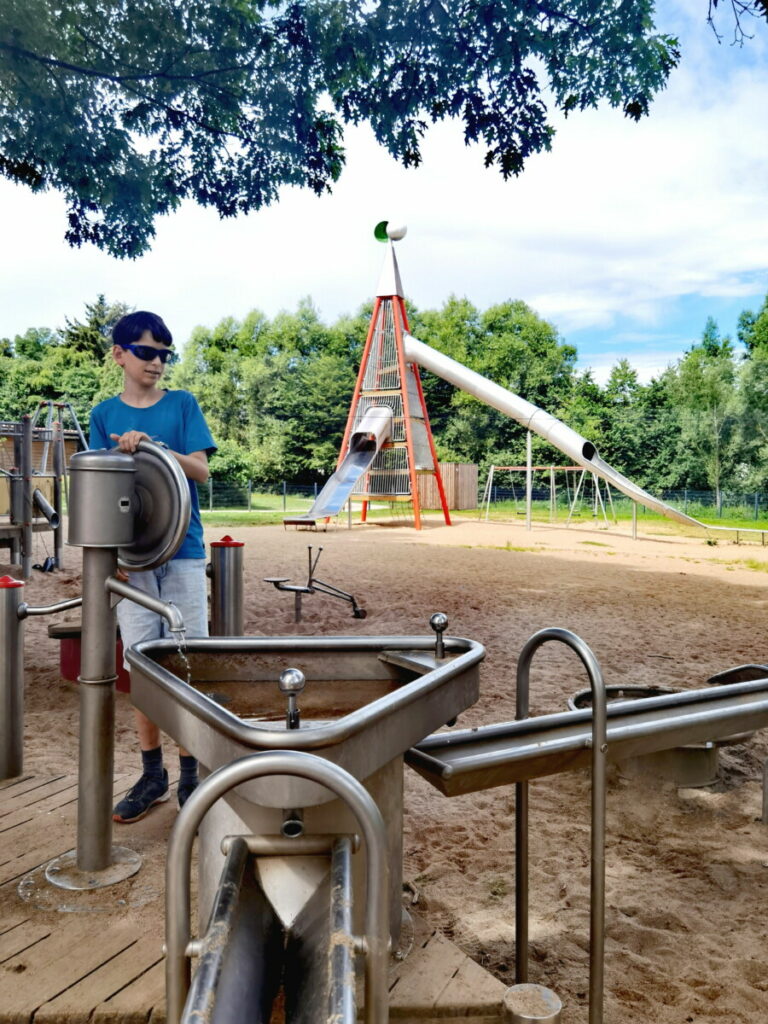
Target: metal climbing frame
{"x":186,"y":1002}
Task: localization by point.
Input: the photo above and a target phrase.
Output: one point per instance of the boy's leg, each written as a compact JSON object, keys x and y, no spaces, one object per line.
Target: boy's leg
{"x":184,"y":584}
{"x":138,"y":624}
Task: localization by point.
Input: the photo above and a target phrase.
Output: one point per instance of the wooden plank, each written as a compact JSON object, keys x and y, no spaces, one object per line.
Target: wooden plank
{"x":30,"y":791}
{"x":21,"y":937}
{"x":423,"y":977}
{"x":108,"y":981}
{"x":76,"y":949}
{"x":472,"y":992}
{"x":51,"y":803}
{"x":135,"y":1003}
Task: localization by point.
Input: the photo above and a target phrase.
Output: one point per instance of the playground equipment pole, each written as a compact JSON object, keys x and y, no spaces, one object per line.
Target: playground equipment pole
{"x":528,"y":479}
{"x":11,"y":679}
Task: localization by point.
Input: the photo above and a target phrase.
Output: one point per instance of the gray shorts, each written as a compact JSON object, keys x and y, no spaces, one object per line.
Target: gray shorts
{"x":182,"y":582}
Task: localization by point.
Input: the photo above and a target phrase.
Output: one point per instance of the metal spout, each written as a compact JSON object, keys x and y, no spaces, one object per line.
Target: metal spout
{"x":169,"y":611}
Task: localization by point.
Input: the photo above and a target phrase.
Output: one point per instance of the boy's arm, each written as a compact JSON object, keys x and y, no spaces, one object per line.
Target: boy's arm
{"x":195,"y":465}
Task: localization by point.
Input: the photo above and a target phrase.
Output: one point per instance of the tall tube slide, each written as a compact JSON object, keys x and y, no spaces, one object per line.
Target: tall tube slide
{"x":559,"y":435}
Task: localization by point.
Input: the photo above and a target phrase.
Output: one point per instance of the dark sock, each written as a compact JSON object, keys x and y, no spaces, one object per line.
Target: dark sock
{"x":152,"y":762}
{"x":188,"y":770}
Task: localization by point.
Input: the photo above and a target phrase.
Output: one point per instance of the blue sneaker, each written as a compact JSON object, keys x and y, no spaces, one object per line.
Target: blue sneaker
{"x":184,"y":791}
{"x":147,"y":792}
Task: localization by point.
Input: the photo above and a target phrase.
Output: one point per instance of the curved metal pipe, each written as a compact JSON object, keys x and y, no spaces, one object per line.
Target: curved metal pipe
{"x":597,"y":871}
{"x":49,"y":609}
{"x":46,"y":508}
{"x":169,"y":611}
{"x":178,"y":868}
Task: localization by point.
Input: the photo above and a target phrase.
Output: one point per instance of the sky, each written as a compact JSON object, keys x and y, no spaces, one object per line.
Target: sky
{"x":626,"y":236}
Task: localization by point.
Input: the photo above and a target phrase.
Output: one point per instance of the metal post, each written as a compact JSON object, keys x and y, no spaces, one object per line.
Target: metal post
{"x":285,"y":496}
{"x":59,"y":469}
{"x":97,"y":712}
{"x":26,"y":496}
{"x":227,"y":587}
{"x":210,"y":494}
{"x":11,"y":679}
{"x":634,"y":520}
{"x":250,"y":491}
{"x":528,"y":479}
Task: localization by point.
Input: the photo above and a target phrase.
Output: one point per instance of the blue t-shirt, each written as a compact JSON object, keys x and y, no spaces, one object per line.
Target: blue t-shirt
{"x":176,"y":420}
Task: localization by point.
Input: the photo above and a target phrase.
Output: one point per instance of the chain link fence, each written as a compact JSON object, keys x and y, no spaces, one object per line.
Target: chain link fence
{"x":509,"y":499}
{"x":216,"y":495}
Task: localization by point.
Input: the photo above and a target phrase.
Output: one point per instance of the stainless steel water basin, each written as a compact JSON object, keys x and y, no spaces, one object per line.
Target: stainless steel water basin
{"x":366,"y":700}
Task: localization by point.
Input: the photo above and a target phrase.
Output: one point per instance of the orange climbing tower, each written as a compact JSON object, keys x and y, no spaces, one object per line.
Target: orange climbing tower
{"x":386,"y":379}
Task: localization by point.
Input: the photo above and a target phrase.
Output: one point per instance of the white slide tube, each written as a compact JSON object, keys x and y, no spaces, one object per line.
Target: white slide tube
{"x":554,"y":431}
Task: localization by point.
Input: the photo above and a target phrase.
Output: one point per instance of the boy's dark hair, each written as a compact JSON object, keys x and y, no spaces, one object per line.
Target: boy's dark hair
{"x":130,"y":328}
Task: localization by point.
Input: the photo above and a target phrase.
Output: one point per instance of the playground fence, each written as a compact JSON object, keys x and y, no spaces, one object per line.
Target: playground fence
{"x":509,"y":501}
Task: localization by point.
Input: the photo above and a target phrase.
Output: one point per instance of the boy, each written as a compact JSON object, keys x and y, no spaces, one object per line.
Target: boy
{"x":142,"y":346}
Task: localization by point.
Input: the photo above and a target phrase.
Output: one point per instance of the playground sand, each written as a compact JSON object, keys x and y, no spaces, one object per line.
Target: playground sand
{"x":687,"y":870}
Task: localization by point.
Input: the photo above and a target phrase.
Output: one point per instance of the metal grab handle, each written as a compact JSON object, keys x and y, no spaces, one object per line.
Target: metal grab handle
{"x":49,"y":609}
{"x":178,"y":868}
{"x":597,"y":869}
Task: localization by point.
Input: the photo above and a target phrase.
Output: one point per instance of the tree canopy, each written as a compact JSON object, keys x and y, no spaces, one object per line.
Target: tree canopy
{"x":128,"y":108}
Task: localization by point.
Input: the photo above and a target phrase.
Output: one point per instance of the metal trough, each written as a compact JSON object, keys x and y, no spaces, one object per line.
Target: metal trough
{"x":366,"y":701}
{"x":496,"y":755}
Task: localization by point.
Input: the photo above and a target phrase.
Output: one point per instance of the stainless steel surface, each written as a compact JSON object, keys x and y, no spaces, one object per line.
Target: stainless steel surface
{"x":531,"y":1004}
{"x":439,"y":623}
{"x":166,"y":609}
{"x":97,"y":714}
{"x":599,"y":748}
{"x":49,"y":609}
{"x":11,"y":681}
{"x":394,"y":708}
{"x":542,"y":423}
{"x":161,"y":511}
{"x":226,"y":572}
{"x":46,"y":508}
{"x":342,"y":1006}
{"x":26,"y":496}
{"x":365,"y":443}
{"x":241,"y":954}
{"x":496,"y":755}
{"x":178,"y":869}
{"x":101,"y":499}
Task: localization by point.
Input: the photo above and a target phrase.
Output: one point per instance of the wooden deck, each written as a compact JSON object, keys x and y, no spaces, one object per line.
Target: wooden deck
{"x":96,"y":957}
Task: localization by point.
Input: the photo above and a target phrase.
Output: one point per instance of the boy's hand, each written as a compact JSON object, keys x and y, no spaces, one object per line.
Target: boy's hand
{"x":129,"y":441}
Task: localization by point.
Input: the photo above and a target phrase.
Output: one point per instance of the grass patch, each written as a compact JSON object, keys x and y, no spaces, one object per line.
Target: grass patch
{"x":595,"y":543}
{"x":743,"y":563}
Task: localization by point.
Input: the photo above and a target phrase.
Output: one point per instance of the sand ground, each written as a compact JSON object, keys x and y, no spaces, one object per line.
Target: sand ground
{"x":687,"y":869}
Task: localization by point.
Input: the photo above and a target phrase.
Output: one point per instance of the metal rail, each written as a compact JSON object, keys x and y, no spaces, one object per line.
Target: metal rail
{"x":597,"y":828}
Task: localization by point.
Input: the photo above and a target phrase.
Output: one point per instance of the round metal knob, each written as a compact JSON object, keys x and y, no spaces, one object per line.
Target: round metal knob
{"x":439,"y":622}
{"x":291,"y":681}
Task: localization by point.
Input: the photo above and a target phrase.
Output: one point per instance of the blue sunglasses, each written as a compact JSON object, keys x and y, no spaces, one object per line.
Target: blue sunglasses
{"x":148,"y":353}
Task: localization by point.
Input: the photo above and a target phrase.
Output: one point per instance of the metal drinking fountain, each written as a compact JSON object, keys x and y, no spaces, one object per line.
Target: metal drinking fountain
{"x":129,"y":512}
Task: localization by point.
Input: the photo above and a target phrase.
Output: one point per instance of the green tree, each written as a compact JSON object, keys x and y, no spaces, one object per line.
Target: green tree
{"x":706,"y":393}
{"x":93,"y":336}
{"x":129,"y":108}
{"x":752,"y":330}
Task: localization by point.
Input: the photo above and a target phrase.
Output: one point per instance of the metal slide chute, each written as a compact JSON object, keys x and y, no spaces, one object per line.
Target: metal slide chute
{"x":367,"y":440}
{"x":554,"y":431}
